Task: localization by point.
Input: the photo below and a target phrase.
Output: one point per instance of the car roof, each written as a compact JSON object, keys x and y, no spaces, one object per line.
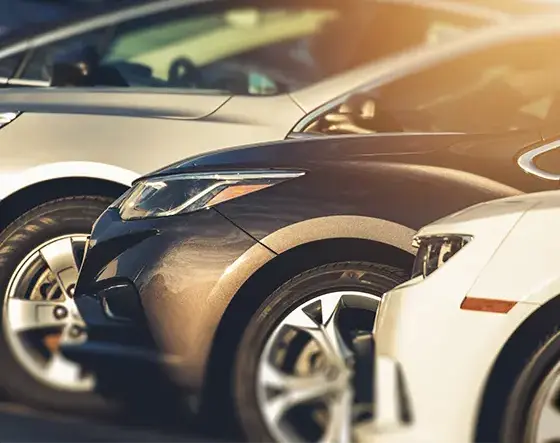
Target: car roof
{"x":31,"y":29}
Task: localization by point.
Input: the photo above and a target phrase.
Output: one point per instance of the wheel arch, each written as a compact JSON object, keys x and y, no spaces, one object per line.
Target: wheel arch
{"x":510,"y":362}
{"x":295,"y":257}
{"x":26,"y":198}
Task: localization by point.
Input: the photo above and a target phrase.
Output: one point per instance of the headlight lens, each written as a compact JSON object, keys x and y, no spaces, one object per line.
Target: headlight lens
{"x":170,"y":195}
{"x":434,"y":251}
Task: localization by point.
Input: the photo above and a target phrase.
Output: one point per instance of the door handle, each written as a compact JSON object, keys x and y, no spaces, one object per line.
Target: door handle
{"x":527,"y":161}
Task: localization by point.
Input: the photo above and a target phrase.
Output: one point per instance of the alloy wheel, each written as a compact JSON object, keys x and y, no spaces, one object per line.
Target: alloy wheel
{"x":39,"y":312}
{"x":544,"y":412}
{"x":305,"y":379}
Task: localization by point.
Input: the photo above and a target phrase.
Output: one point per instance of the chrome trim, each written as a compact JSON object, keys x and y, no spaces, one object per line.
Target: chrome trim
{"x":229,"y":175}
{"x":109,"y":313}
{"x":31,"y":83}
{"x":417,"y":239}
{"x":526,"y":161}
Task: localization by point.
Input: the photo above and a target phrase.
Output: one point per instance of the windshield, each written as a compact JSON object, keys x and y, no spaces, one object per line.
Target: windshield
{"x":505,"y":87}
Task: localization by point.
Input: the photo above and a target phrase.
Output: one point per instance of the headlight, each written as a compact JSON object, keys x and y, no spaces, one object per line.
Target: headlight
{"x":7,"y":117}
{"x":170,"y":195}
{"x":434,"y":251}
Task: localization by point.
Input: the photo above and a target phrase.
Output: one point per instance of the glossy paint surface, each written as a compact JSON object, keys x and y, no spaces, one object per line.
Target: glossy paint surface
{"x":187,"y":268}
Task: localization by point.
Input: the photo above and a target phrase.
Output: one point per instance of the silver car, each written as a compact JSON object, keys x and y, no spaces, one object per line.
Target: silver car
{"x":268,"y":74}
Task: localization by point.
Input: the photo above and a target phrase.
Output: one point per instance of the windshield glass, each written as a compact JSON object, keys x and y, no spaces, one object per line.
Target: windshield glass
{"x":504,"y":87}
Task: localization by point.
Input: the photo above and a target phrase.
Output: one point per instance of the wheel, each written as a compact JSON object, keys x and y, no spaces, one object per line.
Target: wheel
{"x":299,"y":360}
{"x":40,"y":254}
{"x":533,"y":411}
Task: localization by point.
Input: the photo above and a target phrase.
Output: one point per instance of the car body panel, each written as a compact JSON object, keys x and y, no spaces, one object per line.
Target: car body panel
{"x":458,"y":349}
{"x":349,"y":191}
{"x":205,"y":260}
{"x":404,"y":168}
{"x":156,"y":103}
{"x":125,"y":143}
{"x":510,"y":258}
{"x":533,"y":234}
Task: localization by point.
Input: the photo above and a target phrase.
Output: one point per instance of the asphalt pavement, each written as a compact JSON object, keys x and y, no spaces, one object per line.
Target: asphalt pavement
{"x":20,"y":424}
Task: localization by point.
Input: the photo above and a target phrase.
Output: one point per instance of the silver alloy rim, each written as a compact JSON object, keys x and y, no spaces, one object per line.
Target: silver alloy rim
{"x":39,"y":305}
{"x":544,"y":413}
{"x":327,"y":384}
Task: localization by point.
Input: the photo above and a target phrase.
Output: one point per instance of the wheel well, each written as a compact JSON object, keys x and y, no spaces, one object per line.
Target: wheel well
{"x":513,"y":357}
{"x":27,"y":198}
{"x":261,"y":284}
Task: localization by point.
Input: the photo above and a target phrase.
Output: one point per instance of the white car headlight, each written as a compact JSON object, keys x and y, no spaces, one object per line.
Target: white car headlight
{"x":435,"y":250}
{"x":181,"y":193}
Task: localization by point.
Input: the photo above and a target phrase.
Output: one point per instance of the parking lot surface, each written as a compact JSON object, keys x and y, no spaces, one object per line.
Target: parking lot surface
{"x":19,"y":424}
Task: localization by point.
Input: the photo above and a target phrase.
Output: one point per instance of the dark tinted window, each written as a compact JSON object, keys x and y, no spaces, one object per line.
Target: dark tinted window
{"x":8,"y":65}
{"x":506,"y":87}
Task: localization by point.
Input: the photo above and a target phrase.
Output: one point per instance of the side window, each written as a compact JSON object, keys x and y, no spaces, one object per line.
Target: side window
{"x":8,"y":65}
{"x":39,"y":66}
{"x":240,"y":50}
{"x":505,"y":87}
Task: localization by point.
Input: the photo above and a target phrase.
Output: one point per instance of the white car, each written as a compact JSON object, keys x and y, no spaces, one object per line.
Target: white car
{"x":469,"y":348}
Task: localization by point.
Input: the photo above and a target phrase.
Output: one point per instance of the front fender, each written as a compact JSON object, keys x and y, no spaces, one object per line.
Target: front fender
{"x":12,"y":182}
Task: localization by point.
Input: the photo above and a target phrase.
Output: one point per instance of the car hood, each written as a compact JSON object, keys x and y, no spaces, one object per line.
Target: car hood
{"x":313,"y":150}
{"x":156,"y":103}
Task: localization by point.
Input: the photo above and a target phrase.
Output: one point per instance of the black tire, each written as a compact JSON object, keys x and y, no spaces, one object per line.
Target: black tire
{"x":65,"y":216}
{"x":515,"y":421}
{"x":373,"y":278}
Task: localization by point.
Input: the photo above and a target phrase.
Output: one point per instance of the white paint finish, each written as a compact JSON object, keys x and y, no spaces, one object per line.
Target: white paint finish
{"x":386,"y":394}
{"x":42,"y":146}
{"x":12,"y":182}
{"x":445,"y":353}
{"x":525,"y":267}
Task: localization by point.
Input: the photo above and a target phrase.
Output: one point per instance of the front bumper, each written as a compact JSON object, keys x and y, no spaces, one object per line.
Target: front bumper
{"x":149,"y":294}
{"x":432,"y":363}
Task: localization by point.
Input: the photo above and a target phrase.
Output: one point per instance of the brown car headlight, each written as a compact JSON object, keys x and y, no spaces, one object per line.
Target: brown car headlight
{"x":165,"y":196}
{"x":434,"y":251}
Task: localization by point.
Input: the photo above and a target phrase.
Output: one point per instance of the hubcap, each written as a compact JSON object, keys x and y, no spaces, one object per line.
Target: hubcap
{"x":39,"y":312}
{"x":544,"y":413}
{"x":305,"y":376}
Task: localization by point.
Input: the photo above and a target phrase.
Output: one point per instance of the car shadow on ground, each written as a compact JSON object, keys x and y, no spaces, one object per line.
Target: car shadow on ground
{"x":18,"y":424}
